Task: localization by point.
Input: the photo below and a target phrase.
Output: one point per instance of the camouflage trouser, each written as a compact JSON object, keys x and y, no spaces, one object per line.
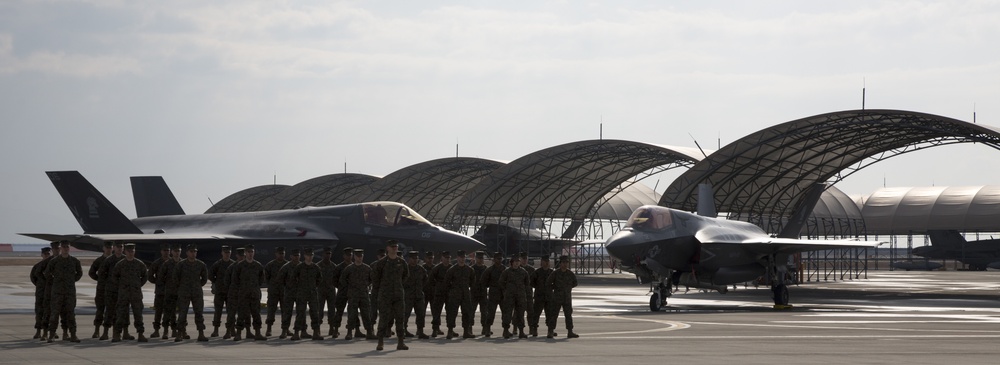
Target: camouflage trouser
{"x":198,"y":302}
{"x":417,"y":305}
{"x":358,"y":305}
{"x":169,"y":310}
{"x":311,"y":300}
{"x":539,"y":305}
{"x":341,"y":305}
{"x":158,"y":298}
{"x":529,"y":300}
{"x":512,"y":309}
{"x":233,"y":315}
{"x":479,"y":302}
{"x":288,"y":309}
{"x":129,"y":298}
{"x":249,"y":308}
{"x":48,"y":313}
{"x":111,"y":311}
{"x":62,"y":306}
{"x":101,"y":304}
{"x":493,"y":300}
{"x":437,"y":304}
{"x":219,"y":303}
{"x":41,"y":310}
{"x":554,"y":307}
{"x":274,"y":296}
{"x":392,"y":310}
{"x":460,"y":300}
{"x":328,"y":301}
{"x":374,"y":307}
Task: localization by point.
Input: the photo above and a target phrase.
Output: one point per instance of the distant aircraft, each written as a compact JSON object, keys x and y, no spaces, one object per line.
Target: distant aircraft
{"x":950,"y":245}
{"x":924,"y":265}
{"x":365,"y":225}
{"x":670,"y":247}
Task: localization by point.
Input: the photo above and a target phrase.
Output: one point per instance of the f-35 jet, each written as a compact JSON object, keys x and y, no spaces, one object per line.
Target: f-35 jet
{"x":365,"y":225}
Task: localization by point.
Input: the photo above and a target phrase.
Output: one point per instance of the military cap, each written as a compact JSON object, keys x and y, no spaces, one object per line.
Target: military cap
{"x":480,"y":253}
{"x":64,"y":243}
{"x":280,"y":249}
{"x":248,"y":247}
{"x":307,"y":251}
{"x":192,"y":248}
{"x":392,"y":242}
{"x":240,"y":250}
{"x":348,"y":250}
{"x":54,"y":244}
{"x":293,"y":251}
{"x":429,"y":253}
{"x":359,"y":251}
{"x":175,"y":247}
{"x":445,"y":253}
{"x":327,"y":249}
{"x":117,"y":243}
{"x":107,"y":244}
{"x":522,"y":254}
{"x":46,"y":249}
{"x":225,"y":248}
{"x":166,"y":247}
{"x":497,"y":255}
{"x":380,"y":251}
{"x":129,"y":246}
{"x":563,"y":258}
{"x":415,"y":254}
{"x":460,"y":253}
{"x":545,"y":258}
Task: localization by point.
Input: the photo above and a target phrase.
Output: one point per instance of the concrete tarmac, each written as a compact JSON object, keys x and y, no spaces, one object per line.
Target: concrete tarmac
{"x":890,"y":317}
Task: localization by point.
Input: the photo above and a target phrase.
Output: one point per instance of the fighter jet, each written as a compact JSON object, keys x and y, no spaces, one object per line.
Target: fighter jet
{"x":950,"y":245}
{"x":668,"y":247}
{"x":364,"y":225}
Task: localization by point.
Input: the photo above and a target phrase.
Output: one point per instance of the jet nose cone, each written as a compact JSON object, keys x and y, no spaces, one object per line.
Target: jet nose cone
{"x":457,"y":241}
{"x":617,"y":245}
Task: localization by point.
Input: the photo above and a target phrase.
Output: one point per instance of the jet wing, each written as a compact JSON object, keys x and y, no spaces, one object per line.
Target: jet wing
{"x":770,"y":245}
{"x":138,"y":237}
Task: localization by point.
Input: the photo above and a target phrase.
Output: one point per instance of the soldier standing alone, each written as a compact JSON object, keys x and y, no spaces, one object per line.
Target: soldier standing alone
{"x":192,"y":274}
{"x":63,"y":272}
{"x":129,"y":275}
{"x":388,"y":275}
{"x":562,"y":282}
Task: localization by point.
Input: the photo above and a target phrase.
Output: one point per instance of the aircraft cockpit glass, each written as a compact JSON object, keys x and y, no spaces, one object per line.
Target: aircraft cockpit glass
{"x":650,"y":218}
{"x":389,"y":214}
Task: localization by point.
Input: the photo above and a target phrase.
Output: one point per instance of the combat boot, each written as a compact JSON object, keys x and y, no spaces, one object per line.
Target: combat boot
{"x":284,"y":334}
{"x":572,"y":334}
{"x":229,"y":333}
{"x":38,"y":334}
{"x":451,"y":333}
{"x":248,"y":336}
{"x":357,"y":333}
{"x":52,"y":336}
{"x":72,"y":337}
{"x":257,"y":336}
{"x":180,"y":336}
{"x":201,"y":336}
{"x":173,"y":332}
{"x":156,"y":332}
{"x":97,"y":332}
{"x":506,"y":333}
{"x":316,"y":336}
{"x":166,"y":331}
{"x":520,"y":333}
{"x":126,"y":336}
{"x":468,"y":333}
{"x":350,"y":335}
{"x":117,"y":337}
{"x":142,"y":338}
{"x":331,"y":332}
{"x":381,"y":342}
{"x":65,"y":334}
{"x":400,"y":345}
{"x":294,"y":335}
{"x":408,"y":334}
{"x":268,"y":333}
{"x":552,"y":333}
{"x":335,"y":333}
{"x":370,"y":335}
{"x":236,"y":337}
{"x":215,"y":333}
{"x":534,"y":331}
{"x":105,"y":335}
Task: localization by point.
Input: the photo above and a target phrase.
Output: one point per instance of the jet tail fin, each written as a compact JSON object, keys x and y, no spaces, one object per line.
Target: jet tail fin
{"x":153,"y":198}
{"x":945,"y":238}
{"x":802,"y":212}
{"x":706,"y":201}
{"x":92,"y":210}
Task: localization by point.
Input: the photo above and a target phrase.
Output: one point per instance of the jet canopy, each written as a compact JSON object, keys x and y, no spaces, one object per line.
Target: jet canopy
{"x":391,"y":214}
{"x":650,"y":218}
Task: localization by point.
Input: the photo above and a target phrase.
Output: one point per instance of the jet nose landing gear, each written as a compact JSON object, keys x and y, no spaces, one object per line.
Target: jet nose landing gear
{"x":658,"y":299}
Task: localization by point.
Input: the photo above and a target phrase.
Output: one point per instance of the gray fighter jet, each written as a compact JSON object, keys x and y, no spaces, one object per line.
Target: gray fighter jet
{"x":950,"y":245}
{"x":667,"y":247}
{"x":364,"y":225}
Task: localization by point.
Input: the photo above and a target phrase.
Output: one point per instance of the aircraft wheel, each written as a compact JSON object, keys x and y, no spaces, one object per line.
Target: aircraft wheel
{"x":655,"y":304}
{"x":780,"y":294}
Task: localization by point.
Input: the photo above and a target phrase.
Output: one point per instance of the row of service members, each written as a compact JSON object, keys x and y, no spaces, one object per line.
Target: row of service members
{"x":397,"y":288}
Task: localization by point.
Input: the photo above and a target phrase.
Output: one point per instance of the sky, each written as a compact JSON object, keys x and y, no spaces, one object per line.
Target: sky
{"x":219,"y":96}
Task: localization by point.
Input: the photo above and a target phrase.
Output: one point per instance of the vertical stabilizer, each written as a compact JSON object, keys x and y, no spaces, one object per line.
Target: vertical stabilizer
{"x":92,"y":210}
{"x":153,"y":198}
{"x":802,"y":212}
{"x":706,"y":201}
{"x":945,"y":238}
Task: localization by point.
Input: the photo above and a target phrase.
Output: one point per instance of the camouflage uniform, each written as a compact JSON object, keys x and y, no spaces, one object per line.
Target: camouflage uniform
{"x":129,"y":277}
{"x":99,"y":302}
{"x":388,"y":276}
{"x":248,"y":278}
{"x":491,"y":280}
{"x":110,"y":291}
{"x":63,"y":273}
{"x":220,"y":289}
{"x":342,"y":296}
{"x":562,"y":284}
{"x":479,"y":298}
{"x":167,"y":278}
{"x":356,"y":278}
{"x":512,"y":282}
{"x":308,"y":279}
{"x":327,"y":292}
{"x":440,"y":293}
{"x":191,"y":278}
{"x":286,"y":278}
{"x":39,"y":280}
{"x":234,"y":318}
{"x":275,"y":291}
{"x":413,"y":287}
{"x":429,"y":283}
{"x":539,"y":281}
{"x":153,"y":277}
{"x":458,"y":280}
{"x":529,"y":294}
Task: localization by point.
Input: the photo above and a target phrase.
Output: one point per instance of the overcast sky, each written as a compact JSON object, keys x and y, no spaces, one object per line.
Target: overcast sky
{"x":218,"y":96}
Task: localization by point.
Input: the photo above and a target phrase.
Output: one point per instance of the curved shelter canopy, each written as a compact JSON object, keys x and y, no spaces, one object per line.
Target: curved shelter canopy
{"x":246,"y":200}
{"x":915,"y":210}
{"x":566,"y":181}
{"x":766,"y":173}
{"x":433,"y":188}
{"x":621,"y":205}
{"x":333,"y":189}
